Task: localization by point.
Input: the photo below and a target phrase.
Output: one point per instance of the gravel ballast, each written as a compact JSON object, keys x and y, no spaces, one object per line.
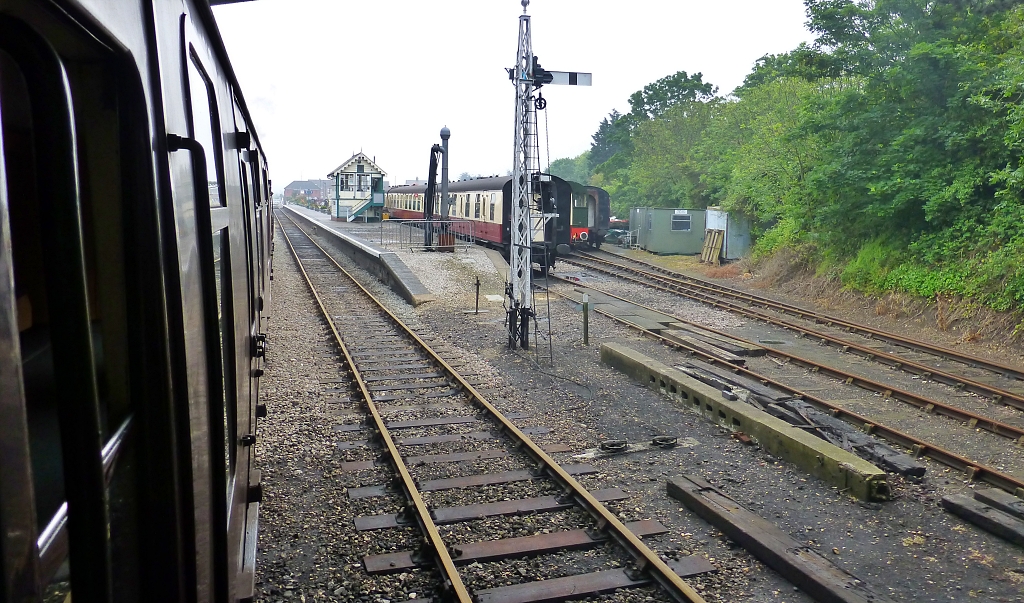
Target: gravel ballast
{"x":908,"y":548}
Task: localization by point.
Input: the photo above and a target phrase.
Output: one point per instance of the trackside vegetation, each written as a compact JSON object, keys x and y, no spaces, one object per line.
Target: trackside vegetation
{"x":887,"y":152}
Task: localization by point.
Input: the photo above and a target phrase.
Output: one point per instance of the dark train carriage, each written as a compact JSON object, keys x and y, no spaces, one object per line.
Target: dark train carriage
{"x":589,"y":216}
{"x":135,"y":231}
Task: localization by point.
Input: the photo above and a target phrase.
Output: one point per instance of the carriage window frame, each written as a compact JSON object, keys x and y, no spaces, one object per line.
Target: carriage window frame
{"x":216,"y":135}
{"x":219,"y":218}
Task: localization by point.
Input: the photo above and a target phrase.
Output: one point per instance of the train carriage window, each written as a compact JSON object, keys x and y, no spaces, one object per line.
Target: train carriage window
{"x":206,"y":128}
{"x":205,"y":122}
{"x":493,"y":196}
{"x":476,"y":207}
{"x":222,"y":272}
{"x":76,"y":318}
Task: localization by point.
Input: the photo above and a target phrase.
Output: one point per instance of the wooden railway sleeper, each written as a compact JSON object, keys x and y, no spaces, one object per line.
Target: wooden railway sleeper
{"x":950,"y":459}
{"x":661,"y":572}
{"x":951,"y":355}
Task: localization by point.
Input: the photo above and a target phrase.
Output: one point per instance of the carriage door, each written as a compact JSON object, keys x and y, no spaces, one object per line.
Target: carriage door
{"x":211,"y":239}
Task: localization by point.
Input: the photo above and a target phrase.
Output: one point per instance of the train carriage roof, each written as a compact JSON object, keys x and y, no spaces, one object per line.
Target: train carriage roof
{"x":493,"y":183}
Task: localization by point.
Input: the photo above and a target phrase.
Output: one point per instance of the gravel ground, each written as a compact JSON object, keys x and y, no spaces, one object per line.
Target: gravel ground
{"x":909,"y":547}
{"x":982,"y":446}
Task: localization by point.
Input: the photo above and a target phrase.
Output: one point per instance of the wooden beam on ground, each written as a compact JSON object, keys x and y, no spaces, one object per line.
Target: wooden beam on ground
{"x":748,"y":349}
{"x":988,"y":518}
{"x":583,"y":585}
{"x":1002,"y":500}
{"x":710,"y":349}
{"x":802,"y":566}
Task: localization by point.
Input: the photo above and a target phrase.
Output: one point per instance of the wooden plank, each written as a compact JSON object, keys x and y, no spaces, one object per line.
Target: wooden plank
{"x":707,"y":348}
{"x":802,"y":566}
{"x":988,"y":518}
{"x":717,"y":250}
{"x":475,"y":455}
{"x":469,"y":481}
{"x":725,"y":342}
{"x":645,"y":324}
{"x":502,"y":477}
{"x":393,"y":397}
{"x":403,"y":377}
{"x":385,"y":362}
{"x":732,"y":379}
{"x":388,"y":365}
{"x":582,"y":585}
{"x":458,"y":437}
{"x":384,"y":410}
{"x":506,"y":548}
{"x":442,"y":439}
{"x":1002,"y":500}
{"x":448,"y":515}
{"x":357,"y":465}
{"x":454,"y":457}
{"x":381,"y":352}
{"x":431,"y":422}
{"x":409,"y":386}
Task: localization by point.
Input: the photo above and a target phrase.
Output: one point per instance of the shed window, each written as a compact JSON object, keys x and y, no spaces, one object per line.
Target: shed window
{"x":681,"y":222}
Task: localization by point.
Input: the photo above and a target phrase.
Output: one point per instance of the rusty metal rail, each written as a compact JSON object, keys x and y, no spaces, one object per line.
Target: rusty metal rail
{"x":701,"y":293}
{"x":888,"y":392}
{"x":647,"y":562}
{"x":972,"y":470}
{"x":1006,"y":370}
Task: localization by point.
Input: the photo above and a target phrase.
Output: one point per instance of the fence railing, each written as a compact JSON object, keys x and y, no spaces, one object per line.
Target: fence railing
{"x":433,"y":235}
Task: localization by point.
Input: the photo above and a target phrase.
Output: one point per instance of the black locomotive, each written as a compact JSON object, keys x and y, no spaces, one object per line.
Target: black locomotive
{"x":135,"y":259}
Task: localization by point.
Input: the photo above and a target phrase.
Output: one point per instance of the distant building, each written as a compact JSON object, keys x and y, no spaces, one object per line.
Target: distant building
{"x":311,"y":189}
{"x":357,"y":189}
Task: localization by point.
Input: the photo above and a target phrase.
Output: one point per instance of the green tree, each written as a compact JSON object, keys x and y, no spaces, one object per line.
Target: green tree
{"x":611,"y":137}
{"x":576,"y":168}
{"x":657,"y":98}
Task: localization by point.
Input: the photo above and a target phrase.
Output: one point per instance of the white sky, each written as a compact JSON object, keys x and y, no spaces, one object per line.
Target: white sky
{"x":326,"y":78}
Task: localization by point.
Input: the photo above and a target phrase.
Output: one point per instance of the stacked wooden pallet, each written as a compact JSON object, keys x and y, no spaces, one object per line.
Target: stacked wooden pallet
{"x":712,"y":251}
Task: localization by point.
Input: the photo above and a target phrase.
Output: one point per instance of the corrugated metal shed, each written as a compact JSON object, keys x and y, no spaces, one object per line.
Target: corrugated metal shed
{"x":736,"y":243}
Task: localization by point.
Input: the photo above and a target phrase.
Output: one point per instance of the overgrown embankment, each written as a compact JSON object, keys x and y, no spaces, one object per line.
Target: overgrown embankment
{"x":886,"y":155}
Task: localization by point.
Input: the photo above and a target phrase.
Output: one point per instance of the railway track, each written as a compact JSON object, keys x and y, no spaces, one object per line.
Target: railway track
{"x":948,"y":366}
{"x":972,"y":469}
{"x":424,"y":424}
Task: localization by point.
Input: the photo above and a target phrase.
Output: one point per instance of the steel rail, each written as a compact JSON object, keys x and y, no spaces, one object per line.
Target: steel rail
{"x":646,"y":560}
{"x":996,"y":394}
{"x":910,"y":343}
{"x":442,"y":557}
{"x":925,"y":403}
{"x":918,"y":446}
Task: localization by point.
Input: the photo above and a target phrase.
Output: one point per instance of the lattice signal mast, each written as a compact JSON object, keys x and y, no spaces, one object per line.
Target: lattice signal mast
{"x":528,"y":76}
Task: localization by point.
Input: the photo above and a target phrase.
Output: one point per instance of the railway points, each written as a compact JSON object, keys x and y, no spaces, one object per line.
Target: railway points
{"x":583,"y":404}
{"x":807,"y":379}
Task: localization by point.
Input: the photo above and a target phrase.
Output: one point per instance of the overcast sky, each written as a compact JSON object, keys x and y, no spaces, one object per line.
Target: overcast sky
{"x":326,"y":78}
